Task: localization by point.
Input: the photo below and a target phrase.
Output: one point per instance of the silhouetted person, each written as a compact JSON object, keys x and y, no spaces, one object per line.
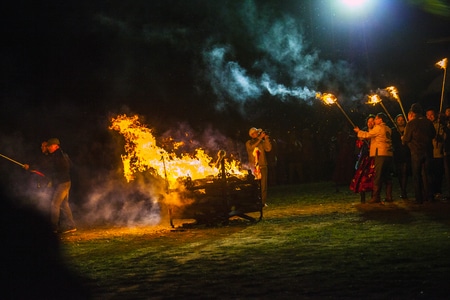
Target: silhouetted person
{"x":59,"y":173}
{"x":437,"y":162}
{"x":419,"y":134}
{"x":402,"y":155}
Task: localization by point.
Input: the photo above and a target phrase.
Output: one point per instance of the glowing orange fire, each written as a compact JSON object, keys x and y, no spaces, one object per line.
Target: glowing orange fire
{"x":392,"y":90}
{"x":327,"y":98}
{"x":442,"y":63}
{"x":331,"y":99}
{"x":143,"y":154}
{"x":373,"y":99}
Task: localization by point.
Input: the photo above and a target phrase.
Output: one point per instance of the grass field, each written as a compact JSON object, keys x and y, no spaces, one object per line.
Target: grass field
{"x":312,"y":243}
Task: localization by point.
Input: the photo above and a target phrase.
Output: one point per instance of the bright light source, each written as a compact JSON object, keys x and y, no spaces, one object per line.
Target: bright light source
{"x":354,"y":6}
{"x":354,"y":3}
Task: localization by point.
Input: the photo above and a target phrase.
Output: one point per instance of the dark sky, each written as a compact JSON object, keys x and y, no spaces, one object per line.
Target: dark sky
{"x":68,"y":66}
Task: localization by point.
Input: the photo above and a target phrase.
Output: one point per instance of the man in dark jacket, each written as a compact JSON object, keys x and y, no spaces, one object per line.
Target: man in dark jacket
{"x":59,"y":173}
{"x":418,"y":135}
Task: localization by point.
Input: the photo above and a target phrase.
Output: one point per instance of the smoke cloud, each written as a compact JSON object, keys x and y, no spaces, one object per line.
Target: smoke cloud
{"x":247,"y":50}
{"x":115,"y":202}
{"x":287,"y":66}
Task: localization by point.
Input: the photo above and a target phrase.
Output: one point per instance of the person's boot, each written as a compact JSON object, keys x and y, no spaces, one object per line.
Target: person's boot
{"x":389,"y":192}
{"x":363,"y":197}
{"x":375,"y":195}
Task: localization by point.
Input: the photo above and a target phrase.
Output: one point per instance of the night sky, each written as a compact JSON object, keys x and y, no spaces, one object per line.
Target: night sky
{"x":69,"y":66}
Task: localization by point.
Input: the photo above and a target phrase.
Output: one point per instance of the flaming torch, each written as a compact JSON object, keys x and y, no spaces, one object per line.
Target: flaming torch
{"x":443,"y":65}
{"x":330,"y":99}
{"x":374,"y":99}
{"x":392,"y":91}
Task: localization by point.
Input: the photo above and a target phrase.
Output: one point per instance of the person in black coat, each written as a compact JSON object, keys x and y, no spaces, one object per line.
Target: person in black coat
{"x":419,"y":134}
{"x":59,"y":173}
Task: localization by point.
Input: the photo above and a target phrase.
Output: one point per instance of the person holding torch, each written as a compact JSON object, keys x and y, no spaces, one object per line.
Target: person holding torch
{"x":381,"y":149}
{"x":59,"y":172}
{"x":362,"y":181}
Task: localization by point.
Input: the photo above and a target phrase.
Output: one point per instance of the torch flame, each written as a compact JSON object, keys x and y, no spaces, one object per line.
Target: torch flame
{"x":389,"y":92}
{"x":327,"y":98}
{"x":393,"y":92}
{"x":442,"y":63}
{"x":143,"y":154}
{"x":373,"y":99}
{"x":330,"y":99}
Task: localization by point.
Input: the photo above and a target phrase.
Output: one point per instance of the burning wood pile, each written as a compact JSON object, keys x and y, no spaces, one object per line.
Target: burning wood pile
{"x":215,"y":199}
{"x":195,"y":187}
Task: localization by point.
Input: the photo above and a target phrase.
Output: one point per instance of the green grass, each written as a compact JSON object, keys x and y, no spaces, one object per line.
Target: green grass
{"x":312,"y":243}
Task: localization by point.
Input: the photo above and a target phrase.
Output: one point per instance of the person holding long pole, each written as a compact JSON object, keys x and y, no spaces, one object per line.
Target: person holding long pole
{"x":59,"y":169}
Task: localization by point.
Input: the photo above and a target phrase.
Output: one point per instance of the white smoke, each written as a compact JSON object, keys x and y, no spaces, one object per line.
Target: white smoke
{"x":113,"y":201}
{"x":287,"y":66}
{"x":277,"y":89}
{"x":228,"y":77}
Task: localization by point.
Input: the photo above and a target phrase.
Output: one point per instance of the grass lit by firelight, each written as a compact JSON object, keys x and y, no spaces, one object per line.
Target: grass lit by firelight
{"x":313,"y":243}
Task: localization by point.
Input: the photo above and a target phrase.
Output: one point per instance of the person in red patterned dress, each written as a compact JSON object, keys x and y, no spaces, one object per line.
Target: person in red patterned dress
{"x":362,"y":181}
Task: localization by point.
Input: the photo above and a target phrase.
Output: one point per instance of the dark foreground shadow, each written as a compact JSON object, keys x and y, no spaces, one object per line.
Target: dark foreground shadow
{"x":405,"y":212}
{"x":32,"y":265}
{"x":389,"y":213}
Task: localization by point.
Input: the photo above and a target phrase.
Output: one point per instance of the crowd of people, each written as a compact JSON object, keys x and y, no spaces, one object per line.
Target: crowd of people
{"x":418,"y":145}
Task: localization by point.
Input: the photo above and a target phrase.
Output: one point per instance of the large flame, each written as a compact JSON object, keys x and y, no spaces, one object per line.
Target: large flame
{"x":143,"y":154}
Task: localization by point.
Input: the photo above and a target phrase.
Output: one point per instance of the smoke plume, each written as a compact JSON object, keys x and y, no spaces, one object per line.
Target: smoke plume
{"x":285,"y":64}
